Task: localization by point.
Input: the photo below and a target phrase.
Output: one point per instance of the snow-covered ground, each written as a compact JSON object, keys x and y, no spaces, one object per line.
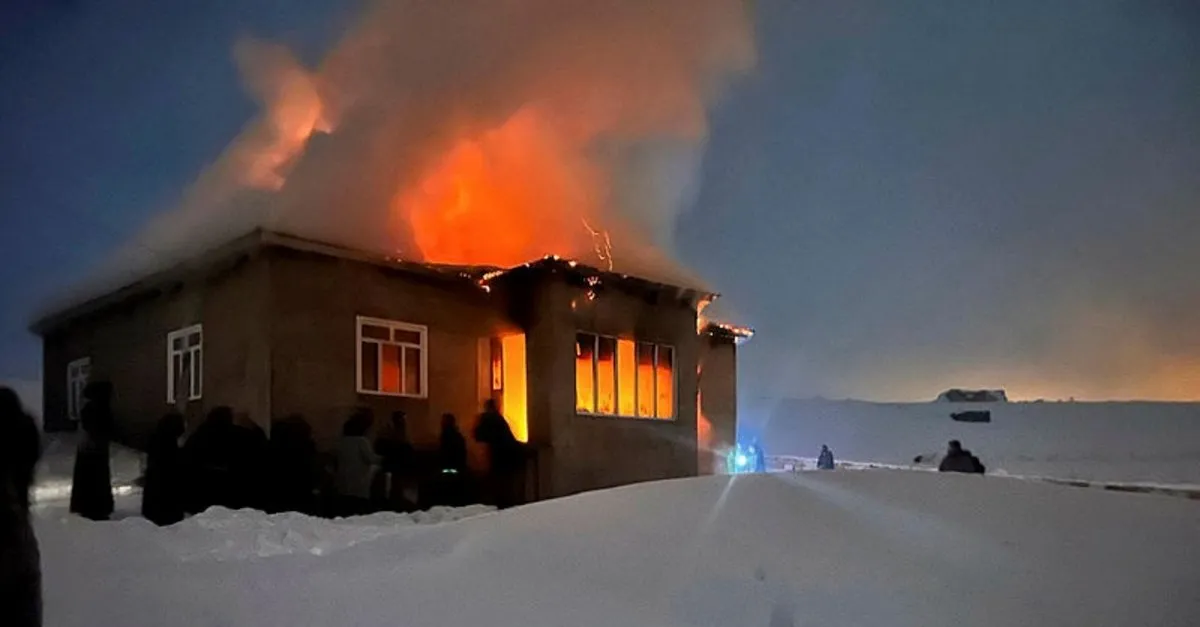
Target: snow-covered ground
{"x":819,"y":548}
{"x":1111,"y":442}
{"x":53,"y":481}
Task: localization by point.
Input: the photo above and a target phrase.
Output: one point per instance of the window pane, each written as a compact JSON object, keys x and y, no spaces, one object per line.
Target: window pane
{"x":666,"y":382}
{"x":197,"y":372}
{"x":177,"y":344}
{"x":185,"y":377}
{"x":412,"y":371}
{"x":626,"y":378}
{"x":389,"y":371}
{"x":370,"y":367}
{"x":176,"y":370}
{"x":376,"y":332}
{"x":193,"y":339}
{"x":585,"y":386}
{"x":645,"y":380}
{"x":606,"y":364}
{"x":407,"y":337}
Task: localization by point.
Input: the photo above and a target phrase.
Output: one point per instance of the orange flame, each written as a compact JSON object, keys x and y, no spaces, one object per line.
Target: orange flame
{"x":497,"y":198}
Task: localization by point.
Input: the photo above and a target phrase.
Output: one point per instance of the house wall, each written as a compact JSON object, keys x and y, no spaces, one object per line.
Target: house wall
{"x":581,"y":452}
{"x":315,"y":301}
{"x":718,"y":391}
{"x":127,"y":346}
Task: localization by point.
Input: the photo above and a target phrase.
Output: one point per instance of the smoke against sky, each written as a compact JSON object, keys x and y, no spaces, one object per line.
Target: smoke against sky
{"x":900,"y":198}
{"x":476,"y":133}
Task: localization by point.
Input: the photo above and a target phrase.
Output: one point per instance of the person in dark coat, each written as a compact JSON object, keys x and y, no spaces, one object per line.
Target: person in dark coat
{"x":506,"y":456}
{"x":397,"y":463}
{"x":825,"y":459}
{"x":208,"y":456}
{"x":91,"y":480}
{"x":452,"y":446}
{"x":958,"y":459}
{"x":248,"y":464}
{"x":163,"y":493}
{"x":452,"y":463}
{"x":293,"y":466}
{"x":20,"y":559}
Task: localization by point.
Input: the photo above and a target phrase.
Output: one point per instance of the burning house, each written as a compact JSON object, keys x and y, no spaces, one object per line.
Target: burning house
{"x":600,"y":373}
{"x":396,"y":228}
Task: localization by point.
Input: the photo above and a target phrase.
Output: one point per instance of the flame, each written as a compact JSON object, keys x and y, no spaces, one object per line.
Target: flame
{"x":515,"y":403}
{"x":496,"y":198}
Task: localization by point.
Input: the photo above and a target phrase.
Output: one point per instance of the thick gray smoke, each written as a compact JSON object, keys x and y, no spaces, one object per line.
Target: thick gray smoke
{"x":474,"y":132}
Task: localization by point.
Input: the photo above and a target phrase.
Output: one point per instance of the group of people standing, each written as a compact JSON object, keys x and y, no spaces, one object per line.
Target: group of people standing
{"x":229,"y":461}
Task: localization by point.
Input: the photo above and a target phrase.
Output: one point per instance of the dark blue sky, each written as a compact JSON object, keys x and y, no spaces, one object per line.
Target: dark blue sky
{"x":900,"y":197}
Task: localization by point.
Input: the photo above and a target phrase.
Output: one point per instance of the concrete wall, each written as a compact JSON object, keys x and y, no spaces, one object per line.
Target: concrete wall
{"x":718,"y":389}
{"x":588,"y":452}
{"x":127,"y":346}
{"x":315,"y":301}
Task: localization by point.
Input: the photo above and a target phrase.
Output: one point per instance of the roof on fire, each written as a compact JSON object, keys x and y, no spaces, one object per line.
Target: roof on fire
{"x":232,"y":251}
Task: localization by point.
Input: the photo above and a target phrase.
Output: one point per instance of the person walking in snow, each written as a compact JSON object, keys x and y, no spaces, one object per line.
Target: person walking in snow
{"x":958,"y":459}
{"x":20,"y":559}
{"x":163,"y":492}
{"x":355,"y":465}
{"x":91,"y":479}
{"x":825,"y":459}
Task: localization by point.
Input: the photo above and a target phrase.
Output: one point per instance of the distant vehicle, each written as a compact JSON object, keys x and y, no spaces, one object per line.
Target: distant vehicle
{"x":972,"y":416}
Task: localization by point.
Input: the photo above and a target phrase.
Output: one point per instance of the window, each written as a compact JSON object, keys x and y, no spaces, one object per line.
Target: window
{"x":78,"y":372}
{"x":622,"y":377}
{"x":185,"y":363}
{"x":392,"y":358}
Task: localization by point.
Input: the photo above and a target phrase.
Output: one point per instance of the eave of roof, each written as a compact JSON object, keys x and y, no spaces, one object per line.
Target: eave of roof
{"x":479,"y":276}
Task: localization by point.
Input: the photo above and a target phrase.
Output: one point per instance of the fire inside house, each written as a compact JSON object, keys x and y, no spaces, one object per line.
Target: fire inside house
{"x":390,"y":235}
{"x":601,"y":374}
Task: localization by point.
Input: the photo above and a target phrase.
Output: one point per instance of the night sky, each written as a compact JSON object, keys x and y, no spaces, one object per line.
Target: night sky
{"x":900,"y":197}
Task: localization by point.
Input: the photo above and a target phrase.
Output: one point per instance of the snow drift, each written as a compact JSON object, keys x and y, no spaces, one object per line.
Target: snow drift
{"x":1117,"y":442}
{"x":833,"y":548}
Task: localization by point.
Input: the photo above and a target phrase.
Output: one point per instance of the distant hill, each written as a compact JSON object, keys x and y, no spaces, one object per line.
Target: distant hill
{"x":972,"y":396}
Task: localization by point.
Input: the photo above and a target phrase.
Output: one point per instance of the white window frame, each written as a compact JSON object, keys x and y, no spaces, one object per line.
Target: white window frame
{"x":195,"y":382}
{"x":79,"y":372}
{"x":392,"y":325}
{"x":616,"y":384}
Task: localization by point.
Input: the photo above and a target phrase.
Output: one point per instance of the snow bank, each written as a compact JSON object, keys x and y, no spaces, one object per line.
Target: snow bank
{"x":221,"y":534}
{"x":1105,"y":442}
{"x":832,"y":548}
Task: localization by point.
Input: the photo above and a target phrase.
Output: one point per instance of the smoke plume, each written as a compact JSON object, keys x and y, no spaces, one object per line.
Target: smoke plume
{"x":476,"y":132}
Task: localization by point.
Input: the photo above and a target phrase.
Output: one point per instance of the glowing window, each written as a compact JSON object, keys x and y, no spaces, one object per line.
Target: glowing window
{"x":392,"y":358}
{"x":621,"y":377}
{"x":585,"y":372}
